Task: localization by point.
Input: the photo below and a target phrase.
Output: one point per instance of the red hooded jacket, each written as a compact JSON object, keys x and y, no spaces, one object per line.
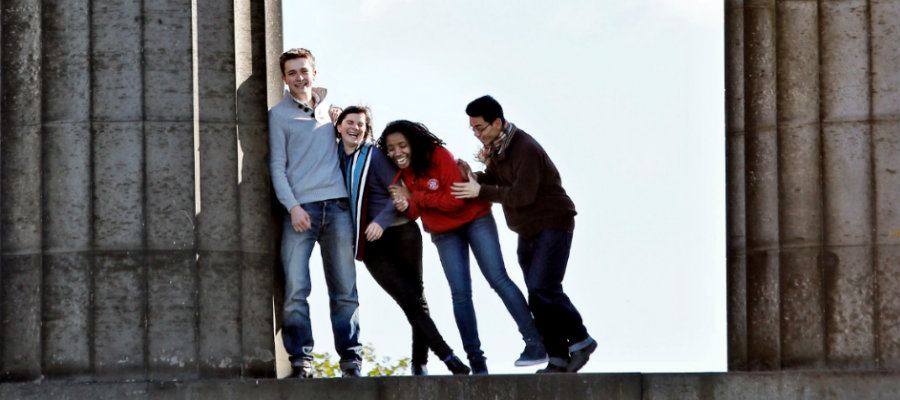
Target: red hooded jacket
{"x":431,"y":198}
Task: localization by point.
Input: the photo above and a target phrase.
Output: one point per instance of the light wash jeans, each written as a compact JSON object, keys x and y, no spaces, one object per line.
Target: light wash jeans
{"x":453,"y":248}
{"x":333,"y":230}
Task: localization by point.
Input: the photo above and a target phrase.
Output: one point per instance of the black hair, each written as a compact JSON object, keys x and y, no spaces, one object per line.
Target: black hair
{"x":486,"y":107}
{"x":421,"y":142}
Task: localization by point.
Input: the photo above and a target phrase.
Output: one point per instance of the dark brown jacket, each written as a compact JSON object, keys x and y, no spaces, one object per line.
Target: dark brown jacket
{"x":523,"y":179}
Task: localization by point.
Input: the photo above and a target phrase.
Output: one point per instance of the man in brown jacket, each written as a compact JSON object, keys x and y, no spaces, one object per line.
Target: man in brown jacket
{"x":521,"y":177}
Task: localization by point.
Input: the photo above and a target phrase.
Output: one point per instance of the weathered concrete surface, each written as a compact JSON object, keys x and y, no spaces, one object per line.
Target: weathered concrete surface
{"x":497,"y":387}
{"x":710,"y":386}
{"x":773,"y":386}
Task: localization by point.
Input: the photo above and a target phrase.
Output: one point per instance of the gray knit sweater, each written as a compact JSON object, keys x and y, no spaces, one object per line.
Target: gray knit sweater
{"x":303,"y":152}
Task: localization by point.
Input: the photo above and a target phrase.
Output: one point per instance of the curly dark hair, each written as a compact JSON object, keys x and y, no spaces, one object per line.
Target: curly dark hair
{"x":369,"y":135}
{"x":421,"y":141}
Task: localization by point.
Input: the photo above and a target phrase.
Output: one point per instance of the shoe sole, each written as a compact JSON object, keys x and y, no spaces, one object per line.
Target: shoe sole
{"x":527,"y":363}
{"x":578,"y":365}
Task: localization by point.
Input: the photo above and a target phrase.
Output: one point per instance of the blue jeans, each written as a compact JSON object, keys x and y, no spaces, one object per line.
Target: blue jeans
{"x":332,"y":228}
{"x":453,"y":248}
{"x":543,"y":259}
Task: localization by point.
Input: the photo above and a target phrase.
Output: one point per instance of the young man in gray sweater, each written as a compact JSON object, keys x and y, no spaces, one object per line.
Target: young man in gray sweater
{"x":308,"y":182}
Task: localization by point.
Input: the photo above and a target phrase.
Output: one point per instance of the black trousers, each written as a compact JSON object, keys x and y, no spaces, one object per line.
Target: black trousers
{"x":395,"y":261}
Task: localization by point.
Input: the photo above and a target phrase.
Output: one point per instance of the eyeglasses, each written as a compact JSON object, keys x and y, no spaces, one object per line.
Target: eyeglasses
{"x":478,"y":130}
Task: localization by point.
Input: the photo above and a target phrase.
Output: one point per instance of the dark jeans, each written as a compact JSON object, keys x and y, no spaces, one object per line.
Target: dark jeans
{"x":395,"y":261}
{"x":543,"y":259}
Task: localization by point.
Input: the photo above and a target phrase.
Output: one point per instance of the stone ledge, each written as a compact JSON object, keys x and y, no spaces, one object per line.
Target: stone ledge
{"x":725,"y":386}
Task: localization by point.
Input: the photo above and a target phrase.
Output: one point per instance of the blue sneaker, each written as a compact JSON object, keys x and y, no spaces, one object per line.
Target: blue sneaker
{"x":533,"y":354}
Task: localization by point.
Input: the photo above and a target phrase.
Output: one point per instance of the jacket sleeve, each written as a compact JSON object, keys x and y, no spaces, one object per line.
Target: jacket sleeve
{"x":526,"y":179}
{"x":382,"y":174}
{"x":485,"y":177}
{"x":278,"y":163}
{"x":446,"y":173}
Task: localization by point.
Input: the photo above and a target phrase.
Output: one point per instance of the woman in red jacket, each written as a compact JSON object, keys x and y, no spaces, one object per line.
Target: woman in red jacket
{"x":428,"y":170}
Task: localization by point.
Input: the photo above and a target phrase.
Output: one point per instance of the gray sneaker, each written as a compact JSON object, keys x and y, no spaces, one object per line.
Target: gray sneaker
{"x":533,"y":354}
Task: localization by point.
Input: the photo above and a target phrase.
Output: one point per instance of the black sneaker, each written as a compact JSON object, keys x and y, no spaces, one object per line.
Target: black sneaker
{"x":580,"y":357}
{"x":456,"y":366}
{"x":479,"y":366}
{"x":302,"y":369}
{"x":351,"y":369}
{"x":419,"y":370}
{"x":351,"y":372}
{"x":552,"y":369}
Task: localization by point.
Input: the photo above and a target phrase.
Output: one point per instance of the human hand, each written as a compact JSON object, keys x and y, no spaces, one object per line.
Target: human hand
{"x":466,"y":190}
{"x":464,"y":169}
{"x":401,"y":204}
{"x":334,"y":112}
{"x":299,"y":219}
{"x":400,"y":191}
{"x":373,"y":232}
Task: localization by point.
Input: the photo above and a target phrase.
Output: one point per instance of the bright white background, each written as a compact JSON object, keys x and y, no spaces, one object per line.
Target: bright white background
{"x":627,"y":99}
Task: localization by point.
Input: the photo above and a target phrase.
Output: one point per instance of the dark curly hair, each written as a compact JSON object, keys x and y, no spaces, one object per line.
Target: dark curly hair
{"x":421,"y":141}
{"x":369,"y":135}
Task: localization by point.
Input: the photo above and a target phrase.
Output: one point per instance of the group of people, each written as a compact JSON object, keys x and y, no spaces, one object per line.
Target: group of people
{"x":359,"y":198}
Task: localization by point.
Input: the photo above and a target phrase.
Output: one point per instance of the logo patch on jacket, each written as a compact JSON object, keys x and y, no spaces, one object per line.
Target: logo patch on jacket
{"x":432,"y":184}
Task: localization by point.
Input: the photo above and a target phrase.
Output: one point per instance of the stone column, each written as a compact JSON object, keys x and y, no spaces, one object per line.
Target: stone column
{"x":20,"y":194}
{"x":117,"y":261}
{"x":813,"y":103}
{"x":120,"y":278}
{"x":885,"y":64}
{"x":170,"y":199}
{"x":66,"y":141}
{"x":257,"y":356}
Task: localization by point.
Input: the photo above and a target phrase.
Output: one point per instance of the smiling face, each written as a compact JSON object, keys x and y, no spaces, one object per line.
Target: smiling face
{"x":398,"y":149}
{"x":484,"y":131}
{"x":353,"y":131}
{"x":299,"y":75}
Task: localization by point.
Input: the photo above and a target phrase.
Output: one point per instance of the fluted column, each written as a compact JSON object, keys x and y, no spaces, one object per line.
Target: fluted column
{"x":118,"y":261}
{"x":820,"y":105}
{"x":761,"y":184}
{"x":171,"y":238}
{"x":68,"y":259}
{"x":734,"y":156}
{"x":885,"y":64}
{"x":799,"y":185}
{"x":20,"y":201}
{"x":120,"y":290}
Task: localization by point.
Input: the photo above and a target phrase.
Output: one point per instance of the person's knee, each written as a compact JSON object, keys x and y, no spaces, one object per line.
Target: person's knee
{"x":461,"y":296}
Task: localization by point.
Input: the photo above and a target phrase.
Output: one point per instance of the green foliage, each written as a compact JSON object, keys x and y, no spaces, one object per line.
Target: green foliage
{"x":325,"y":367}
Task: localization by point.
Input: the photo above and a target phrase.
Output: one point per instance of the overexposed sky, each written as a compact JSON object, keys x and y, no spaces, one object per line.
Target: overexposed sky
{"x":628,"y":100}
